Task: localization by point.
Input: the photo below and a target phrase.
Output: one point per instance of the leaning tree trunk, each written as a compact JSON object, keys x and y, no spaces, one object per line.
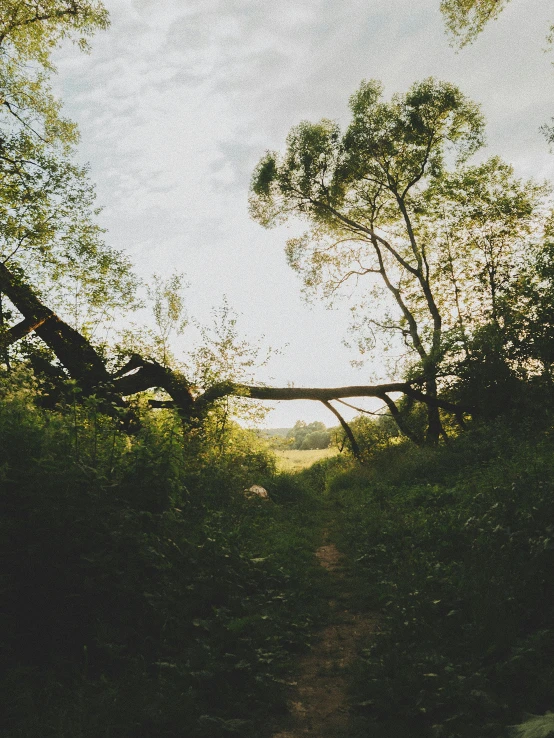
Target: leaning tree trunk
{"x":71,"y":348}
{"x":85,"y":365}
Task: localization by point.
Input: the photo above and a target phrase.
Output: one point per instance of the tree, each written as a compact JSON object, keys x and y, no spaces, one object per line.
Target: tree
{"x":308,"y":436}
{"x":465,"y":19}
{"x":48,"y":229}
{"x":362,"y":195}
{"x":84,"y":364}
{"x":393,"y":204}
{"x":169,"y":312}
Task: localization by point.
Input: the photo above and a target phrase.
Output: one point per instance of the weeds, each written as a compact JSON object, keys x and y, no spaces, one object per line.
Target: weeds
{"x":142,"y":595}
{"x":455,"y":547}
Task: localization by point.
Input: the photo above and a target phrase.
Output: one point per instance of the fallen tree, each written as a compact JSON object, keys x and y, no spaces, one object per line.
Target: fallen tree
{"x":87,"y":367}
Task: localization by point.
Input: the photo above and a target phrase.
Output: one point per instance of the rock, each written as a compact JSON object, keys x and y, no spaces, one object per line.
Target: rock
{"x":256,"y":490}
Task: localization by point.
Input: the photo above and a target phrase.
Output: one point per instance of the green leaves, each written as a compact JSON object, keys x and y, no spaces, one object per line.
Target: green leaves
{"x":142,"y":593}
{"x":47,"y":204}
{"x":535,"y":727}
{"x":29,"y":31}
{"x":32,"y":28}
{"x":454,"y":545}
{"x":397,"y":144}
{"x":301,"y":180}
{"x":429,"y":249}
{"x":465,"y":19}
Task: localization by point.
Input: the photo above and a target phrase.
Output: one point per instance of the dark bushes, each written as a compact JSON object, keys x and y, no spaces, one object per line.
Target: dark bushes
{"x":142,"y":595}
{"x":455,"y":547}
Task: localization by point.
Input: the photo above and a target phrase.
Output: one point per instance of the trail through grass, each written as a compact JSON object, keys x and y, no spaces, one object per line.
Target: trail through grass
{"x":319,"y":697}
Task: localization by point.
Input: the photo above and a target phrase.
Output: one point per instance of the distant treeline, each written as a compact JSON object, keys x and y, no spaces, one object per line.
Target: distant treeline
{"x":304,"y":436}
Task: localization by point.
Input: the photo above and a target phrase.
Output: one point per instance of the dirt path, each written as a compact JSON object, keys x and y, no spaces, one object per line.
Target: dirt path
{"x":319,"y":702}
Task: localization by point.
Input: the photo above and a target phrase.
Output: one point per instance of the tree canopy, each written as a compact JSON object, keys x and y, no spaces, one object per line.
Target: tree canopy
{"x":395,"y":211}
{"x":307,"y":436}
{"x":49,"y":231}
{"x":465,"y":19}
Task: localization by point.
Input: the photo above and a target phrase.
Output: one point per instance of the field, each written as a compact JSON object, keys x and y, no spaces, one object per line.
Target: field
{"x":295,"y":460}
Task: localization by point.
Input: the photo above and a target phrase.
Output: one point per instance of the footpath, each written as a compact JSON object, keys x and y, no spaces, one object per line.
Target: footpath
{"x":318,"y":702}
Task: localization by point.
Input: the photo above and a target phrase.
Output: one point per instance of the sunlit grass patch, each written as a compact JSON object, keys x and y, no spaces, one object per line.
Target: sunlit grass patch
{"x":295,"y":460}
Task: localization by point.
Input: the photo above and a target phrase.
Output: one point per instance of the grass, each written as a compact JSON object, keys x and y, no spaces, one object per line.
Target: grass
{"x":453,"y":547}
{"x":142,"y":595}
{"x":294,"y":460}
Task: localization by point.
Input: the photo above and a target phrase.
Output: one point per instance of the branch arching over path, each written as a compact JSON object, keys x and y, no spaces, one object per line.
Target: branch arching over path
{"x":85,"y":365}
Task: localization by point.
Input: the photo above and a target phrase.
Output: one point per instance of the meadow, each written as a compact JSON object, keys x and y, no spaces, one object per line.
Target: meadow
{"x":294,"y":460}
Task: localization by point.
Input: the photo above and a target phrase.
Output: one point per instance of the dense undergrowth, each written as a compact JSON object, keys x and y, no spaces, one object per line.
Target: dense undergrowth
{"x":455,"y":548}
{"x":143,"y":596}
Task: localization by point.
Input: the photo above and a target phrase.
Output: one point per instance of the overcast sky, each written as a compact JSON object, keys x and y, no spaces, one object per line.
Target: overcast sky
{"x":180,"y":98}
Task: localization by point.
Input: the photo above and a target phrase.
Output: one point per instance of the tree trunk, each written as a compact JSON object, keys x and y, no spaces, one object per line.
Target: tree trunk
{"x":72,"y":349}
{"x":434,"y":424}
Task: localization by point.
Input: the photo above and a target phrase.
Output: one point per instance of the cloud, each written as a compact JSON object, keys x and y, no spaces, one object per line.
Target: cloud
{"x":178,"y":101}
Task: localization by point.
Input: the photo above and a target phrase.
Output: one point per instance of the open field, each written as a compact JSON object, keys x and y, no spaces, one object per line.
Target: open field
{"x":295,"y":460}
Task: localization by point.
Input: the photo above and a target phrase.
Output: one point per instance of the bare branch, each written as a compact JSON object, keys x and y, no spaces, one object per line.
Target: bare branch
{"x":20,"y":330}
{"x":397,"y":415}
{"x":375,"y":413}
{"x":346,"y":428}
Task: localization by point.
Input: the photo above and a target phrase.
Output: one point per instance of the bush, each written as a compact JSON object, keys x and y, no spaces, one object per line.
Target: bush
{"x":455,"y":547}
{"x":142,"y":595}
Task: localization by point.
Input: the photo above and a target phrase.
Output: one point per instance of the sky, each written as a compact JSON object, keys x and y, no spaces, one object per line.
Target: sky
{"x":179,"y":99}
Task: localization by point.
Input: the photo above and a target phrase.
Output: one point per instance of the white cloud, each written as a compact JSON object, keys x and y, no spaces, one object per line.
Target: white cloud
{"x":178,"y":101}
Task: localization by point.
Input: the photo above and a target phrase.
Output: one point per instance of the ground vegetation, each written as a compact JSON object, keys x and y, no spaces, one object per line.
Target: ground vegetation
{"x":146,"y":593}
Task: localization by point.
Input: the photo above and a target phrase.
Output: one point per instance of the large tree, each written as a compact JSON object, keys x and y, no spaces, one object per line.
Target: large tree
{"x":393,"y":206}
{"x":48,"y":217}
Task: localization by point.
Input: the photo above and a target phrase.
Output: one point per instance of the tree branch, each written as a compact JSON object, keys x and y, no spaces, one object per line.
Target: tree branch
{"x":72,"y":349}
{"x":346,"y":428}
{"x":18,"y":331}
{"x":322,"y":394}
{"x":87,"y":367}
{"x":397,"y":415}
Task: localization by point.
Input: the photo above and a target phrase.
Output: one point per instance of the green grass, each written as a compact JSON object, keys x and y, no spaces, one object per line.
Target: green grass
{"x":453,"y":547}
{"x":294,"y":460}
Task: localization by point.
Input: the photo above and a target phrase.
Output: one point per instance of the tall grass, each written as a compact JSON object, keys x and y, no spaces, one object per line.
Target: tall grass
{"x":293,"y":460}
{"x":455,"y":548}
{"x":142,"y":595}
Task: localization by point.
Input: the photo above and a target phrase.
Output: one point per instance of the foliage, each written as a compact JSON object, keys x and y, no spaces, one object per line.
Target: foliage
{"x":307,"y":436}
{"x":47,"y":203}
{"x":374,"y":434}
{"x":170,"y":317}
{"x":143,"y":594}
{"x":454,"y":546}
{"x":431,"y":245}
{"x":465,"y":19}
{"x":222,"y":356}
{"x":535,"y":727}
